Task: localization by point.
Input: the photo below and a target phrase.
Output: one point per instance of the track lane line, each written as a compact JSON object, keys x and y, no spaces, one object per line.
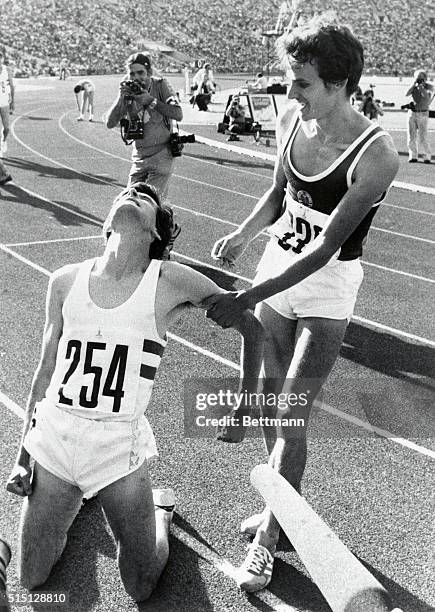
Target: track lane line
{"x":231,"y":364}
{"x":212,"y":267}
{"x":246,"y":195}
{"x":368,"y":322}
{"x":197,"y":213}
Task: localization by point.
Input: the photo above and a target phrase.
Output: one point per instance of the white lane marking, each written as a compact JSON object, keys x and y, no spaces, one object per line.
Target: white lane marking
{"x":231,"y":364}
{"x":207,"y":265}
{"x":52,"y":240}
{"x":246,"y":195}
{"x":377,"y":430}
{"x":415,"y":188}
{"x":393,"y":331}
{"x":368,"y":322}
{"x":24,"y":260}
{"x":385,"y":231}
{"x":220,"y":563}
{"x":414,"y":210}
{"x":386,"y":269}
{"x":184,"y":178}
{"x":11,"y":405}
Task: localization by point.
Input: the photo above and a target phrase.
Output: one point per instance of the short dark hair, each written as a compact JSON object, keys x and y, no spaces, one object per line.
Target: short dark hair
{"x":139,"y":58}
{"x":337,"y":52}
{"x":78,"y":88}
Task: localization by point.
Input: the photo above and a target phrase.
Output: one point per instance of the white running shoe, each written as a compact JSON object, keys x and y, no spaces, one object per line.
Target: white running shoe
{"x":80,"y":118}
{"x":251,"y":524}
{"x":164,"y":498}
{"x":91,"y":118}
{"x":255,"y":573}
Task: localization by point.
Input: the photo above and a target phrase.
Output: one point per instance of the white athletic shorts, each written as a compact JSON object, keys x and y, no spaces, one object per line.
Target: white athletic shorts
{"x":88,"y":453}
{"x":329,"y":293}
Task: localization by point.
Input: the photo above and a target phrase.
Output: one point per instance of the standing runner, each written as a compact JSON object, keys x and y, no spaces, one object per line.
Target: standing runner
{"x":333,"y":170}
{"x":85,"y":427}
{"x":7,"y":103}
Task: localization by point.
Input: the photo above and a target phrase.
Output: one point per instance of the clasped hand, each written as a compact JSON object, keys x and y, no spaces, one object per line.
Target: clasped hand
{"x":225,"y":309}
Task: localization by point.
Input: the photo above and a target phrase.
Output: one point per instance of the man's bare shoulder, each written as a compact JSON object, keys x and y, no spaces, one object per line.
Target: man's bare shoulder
{"x":63,"y":278}
{"x":382,"y":152}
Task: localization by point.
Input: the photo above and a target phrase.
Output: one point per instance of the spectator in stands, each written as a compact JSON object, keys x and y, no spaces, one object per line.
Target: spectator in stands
{"x":418,"y":117}
{"x":7,"y":101}
{"x":88,"y":89}
{"x":155,"y":108}
{"x":236,"y":114}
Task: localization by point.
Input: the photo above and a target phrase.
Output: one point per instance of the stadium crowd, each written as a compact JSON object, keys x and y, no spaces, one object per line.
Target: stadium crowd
{"x":398,"y":35}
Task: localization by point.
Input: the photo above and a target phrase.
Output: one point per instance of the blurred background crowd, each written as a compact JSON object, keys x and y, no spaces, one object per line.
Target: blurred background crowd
{"x":234,"y":35}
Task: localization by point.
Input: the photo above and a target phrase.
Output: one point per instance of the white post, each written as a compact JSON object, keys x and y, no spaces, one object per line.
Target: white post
{"x":186,"y":81}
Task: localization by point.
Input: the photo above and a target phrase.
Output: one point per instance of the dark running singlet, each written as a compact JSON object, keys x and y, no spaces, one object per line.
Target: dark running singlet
{"x":311,"y":199}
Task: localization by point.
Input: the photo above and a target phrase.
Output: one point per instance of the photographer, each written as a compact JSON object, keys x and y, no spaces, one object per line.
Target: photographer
{"x":369,"y":106}
{"x":418,"y":117}
{"x":236,"y":114}
{"x":149,"y":104}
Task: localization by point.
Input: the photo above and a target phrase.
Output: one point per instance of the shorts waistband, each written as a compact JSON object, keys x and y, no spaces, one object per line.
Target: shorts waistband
{"x":421,"y":111}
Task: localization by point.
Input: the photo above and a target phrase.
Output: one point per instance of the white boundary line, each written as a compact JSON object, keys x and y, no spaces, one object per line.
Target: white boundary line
{"x":231,"y":364}
{"x":417,"y":238}
{"x":207,"y":265}
{"x":367,"y":322}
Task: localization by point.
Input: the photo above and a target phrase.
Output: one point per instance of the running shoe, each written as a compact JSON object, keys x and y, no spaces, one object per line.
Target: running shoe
{"x":6,"y":179}
{"x":164,"y":498}
{"x":255,"y":573}
{"x":251,"y":524}
{"x":80,"y":118}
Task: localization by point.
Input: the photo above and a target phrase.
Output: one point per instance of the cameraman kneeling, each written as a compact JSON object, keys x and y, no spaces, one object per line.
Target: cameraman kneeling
{"x":149,"y":104}
{"x":236,"y":114}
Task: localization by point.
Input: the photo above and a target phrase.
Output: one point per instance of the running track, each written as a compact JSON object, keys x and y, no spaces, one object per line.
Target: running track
{"x":372,"y":489}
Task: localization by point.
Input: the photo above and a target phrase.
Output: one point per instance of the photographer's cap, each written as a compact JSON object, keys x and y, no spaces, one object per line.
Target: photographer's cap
{"x":420,"y":74}
{"x":139,"y":58}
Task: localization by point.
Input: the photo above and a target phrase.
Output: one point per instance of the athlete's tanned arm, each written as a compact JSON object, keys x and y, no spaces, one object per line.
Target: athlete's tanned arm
{"x":181,"y":286}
